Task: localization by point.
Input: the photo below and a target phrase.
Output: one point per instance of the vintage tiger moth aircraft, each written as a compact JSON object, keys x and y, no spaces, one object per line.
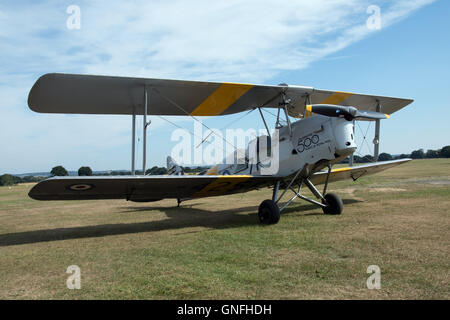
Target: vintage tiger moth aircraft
{"x":323,"y":136}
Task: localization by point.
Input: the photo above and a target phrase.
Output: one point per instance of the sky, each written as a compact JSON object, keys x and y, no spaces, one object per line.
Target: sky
{"x":326,"y":44}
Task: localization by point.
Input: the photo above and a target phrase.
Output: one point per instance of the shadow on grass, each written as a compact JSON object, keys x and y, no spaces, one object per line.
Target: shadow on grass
{"x":178,"y":218}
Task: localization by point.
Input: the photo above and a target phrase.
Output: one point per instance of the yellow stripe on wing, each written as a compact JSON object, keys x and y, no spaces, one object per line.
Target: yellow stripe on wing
{"x":221,"y":99}
{"x":340,"y":170}
{"x":337,"y":97}
{"x":221,"y":185}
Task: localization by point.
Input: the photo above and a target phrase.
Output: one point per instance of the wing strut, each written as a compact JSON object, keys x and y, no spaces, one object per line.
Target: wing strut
{"x":265,"y":124}
{"x":145,"y":125}
{"x":376,"y":139}
{"x":133,"y":140}
{"x":285,"y":103}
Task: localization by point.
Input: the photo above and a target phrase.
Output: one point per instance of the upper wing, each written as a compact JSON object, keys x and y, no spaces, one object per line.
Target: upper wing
{"x":144,"y":188}
{"x":88,"y":94}
{"x":355,"y":172}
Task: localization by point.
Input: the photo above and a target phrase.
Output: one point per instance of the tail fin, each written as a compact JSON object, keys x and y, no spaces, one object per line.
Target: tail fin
{"x":173,"y":168}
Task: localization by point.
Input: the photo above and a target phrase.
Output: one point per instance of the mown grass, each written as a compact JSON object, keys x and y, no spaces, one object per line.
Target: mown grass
{"x":215,"y":248}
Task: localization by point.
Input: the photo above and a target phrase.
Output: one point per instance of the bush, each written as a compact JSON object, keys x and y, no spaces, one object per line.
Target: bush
{"x":6,"y":180}
{"x":445,"y":152}
{"x":432,"y":154}
{"x":85,"y":171}
{"x":418,"y":154}
{"x":156,"y":171}
{"x":367,"y":158}
{"x":59,"y":171}
{"x":384,"y":157}
{"x":357,"y":159}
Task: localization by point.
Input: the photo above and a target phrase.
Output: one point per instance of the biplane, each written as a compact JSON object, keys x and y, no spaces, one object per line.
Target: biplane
{"x":307,"y":148}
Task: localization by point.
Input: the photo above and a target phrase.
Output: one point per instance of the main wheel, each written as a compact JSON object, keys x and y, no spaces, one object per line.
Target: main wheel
{"x":334,"y":204}
{"x":268,"y":212}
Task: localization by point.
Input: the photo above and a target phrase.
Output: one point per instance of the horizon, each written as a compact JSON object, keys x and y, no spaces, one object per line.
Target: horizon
{"x":71,"y":171}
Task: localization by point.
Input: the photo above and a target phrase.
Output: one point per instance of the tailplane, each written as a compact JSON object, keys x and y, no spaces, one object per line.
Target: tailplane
{"x":173,"y":168}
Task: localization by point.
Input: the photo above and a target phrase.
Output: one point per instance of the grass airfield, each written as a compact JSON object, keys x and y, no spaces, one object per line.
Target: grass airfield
{"x":214,"y":248}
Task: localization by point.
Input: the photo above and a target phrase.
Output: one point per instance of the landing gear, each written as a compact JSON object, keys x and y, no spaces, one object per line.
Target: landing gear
{"x":331,"y":203}
{"x":268,"y":212}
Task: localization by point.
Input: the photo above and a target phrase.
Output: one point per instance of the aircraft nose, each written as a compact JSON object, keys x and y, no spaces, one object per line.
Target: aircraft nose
{"x":344,"y":138}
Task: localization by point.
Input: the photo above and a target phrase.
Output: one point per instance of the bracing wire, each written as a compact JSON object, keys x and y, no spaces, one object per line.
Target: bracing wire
{"x":267,"y":111}
{"x":364,"y":140}
{"x":187,"y":113}
{"x":226,"y":126}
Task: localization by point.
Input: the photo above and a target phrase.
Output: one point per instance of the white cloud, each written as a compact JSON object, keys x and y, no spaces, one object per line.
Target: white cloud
{"x":243,"y":41}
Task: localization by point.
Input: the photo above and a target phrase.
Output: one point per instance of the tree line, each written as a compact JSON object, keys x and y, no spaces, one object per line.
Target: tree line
{"x":8,"y":179}
{"x":416,"y":154}
{"x":87,"y":171}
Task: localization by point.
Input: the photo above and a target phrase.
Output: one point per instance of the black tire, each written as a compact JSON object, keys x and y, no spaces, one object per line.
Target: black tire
{"x":334,"y":204}
{"x":268,"y":212}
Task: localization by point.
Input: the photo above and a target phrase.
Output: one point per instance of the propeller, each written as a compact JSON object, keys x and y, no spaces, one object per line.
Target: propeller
{"x":349,"y":113}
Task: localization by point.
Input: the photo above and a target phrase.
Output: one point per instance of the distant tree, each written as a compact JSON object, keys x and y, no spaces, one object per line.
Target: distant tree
{"x":403,"y":156}
{"x":30,"y":179}
{"x":432,"y":154}
{"x":6,"y":180}
{"x":418,"y":154}
{"x":367,"y":158}
{"x":194,"y":169}
{"x":17,"y":179}
{"x":445,"y":152}
{"x":59,"y":171}
{"x":27,"y":179}
{"x":162,"y":171}
{"x":85,"y":171}
{"x":357,"y":159}
{"x":156,"y":171}
{"x":384,"y":157}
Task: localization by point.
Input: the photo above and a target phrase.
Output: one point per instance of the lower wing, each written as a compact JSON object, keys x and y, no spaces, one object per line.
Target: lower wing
{"x":355,"y":172}
{"x":145,"y":188}
{"x":153,"y":188}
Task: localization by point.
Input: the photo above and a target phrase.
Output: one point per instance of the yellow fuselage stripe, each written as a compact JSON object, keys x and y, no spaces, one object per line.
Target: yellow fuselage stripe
{"x":221,"y":99}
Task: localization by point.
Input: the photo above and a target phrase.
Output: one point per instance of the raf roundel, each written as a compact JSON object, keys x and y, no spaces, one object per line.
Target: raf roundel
{"x":80,"y":187}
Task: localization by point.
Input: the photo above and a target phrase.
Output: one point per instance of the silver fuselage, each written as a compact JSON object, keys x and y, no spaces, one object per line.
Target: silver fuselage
{"x":311,"y":144}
